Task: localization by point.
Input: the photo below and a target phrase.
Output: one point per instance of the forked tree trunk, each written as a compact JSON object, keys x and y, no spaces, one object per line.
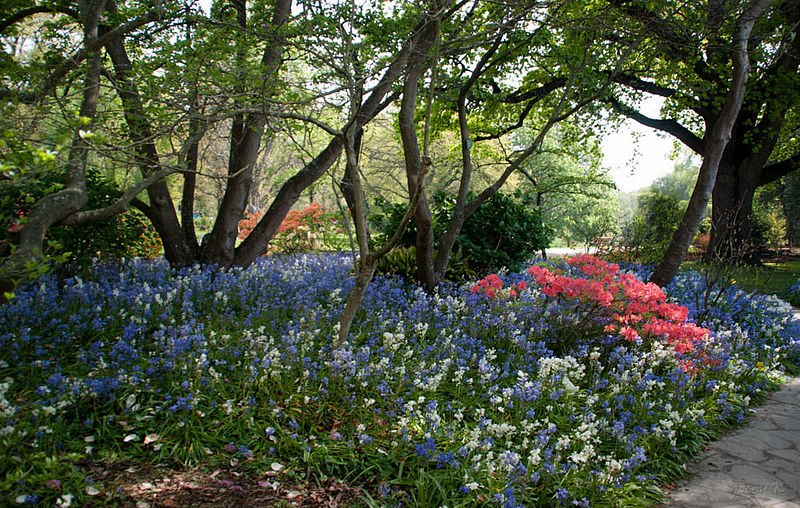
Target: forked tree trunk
{"x":413,"y":162}
{"x":246,"y":133}
{"x":161,"y":211}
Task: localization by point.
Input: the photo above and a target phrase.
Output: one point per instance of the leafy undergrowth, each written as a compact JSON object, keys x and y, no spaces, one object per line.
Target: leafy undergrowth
{"x":558,"y":386}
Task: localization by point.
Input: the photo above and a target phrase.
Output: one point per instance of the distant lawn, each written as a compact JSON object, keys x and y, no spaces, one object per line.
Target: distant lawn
{"x":771,"y":278}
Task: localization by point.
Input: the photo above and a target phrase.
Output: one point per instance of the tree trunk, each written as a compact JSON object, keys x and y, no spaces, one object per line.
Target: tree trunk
{"x":715,"y":146}
{"x":414,"y":162}
{"x":256,"y":242}
{"x":246,"y":132}
{"x":190,"y":185}
{"x":161,"y":210}
{"x":57,"y":206}
{"x":732,"y":213}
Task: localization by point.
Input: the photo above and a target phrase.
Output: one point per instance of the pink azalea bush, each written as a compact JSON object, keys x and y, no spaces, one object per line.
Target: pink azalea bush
{"x":625,"y":306}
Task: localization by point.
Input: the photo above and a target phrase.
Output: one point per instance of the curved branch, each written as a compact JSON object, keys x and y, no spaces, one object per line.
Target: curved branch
{"x":84,"y":216}
{"x":37,"y":9}
{"x":776,"y":170}
{"x":537,"y":93}
{"x":670,"y":126}
{"x":644,"y":86}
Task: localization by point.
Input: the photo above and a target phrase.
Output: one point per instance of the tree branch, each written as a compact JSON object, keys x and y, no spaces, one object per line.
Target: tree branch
{"x":670,"y":126}
{"x":37,"y":9}
{"x":776,"y":170}
{"x":84,"y":216}
{"x":645,"y":86}
{"x":73,"y":61}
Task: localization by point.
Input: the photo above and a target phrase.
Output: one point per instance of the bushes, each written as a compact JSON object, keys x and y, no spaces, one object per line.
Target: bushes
{"x":646,"y":237}
{"x":312,"y":228}
{"x":792,"y":294}
{"x":129,"y":234}
{"x":402,"y":262}
{"x":502,"y":232}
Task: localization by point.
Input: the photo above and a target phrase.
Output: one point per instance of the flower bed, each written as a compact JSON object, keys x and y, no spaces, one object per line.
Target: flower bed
{"x":570,"y":384}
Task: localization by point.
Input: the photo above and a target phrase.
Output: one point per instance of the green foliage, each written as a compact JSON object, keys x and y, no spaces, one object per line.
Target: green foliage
{"x":646,"y":236}
{"x":402,"y":262}
{"x":792,"y":293}
{"x":31,"y":174}
{"x":790,"y":198}
{"x":680,"y":182}
{"x":502,"y":232}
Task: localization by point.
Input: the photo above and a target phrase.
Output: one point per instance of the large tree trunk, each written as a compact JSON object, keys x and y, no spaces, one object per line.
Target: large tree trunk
{"x":716,"y":142}
{"x":246,"y":132}
{"x":732,"y":210}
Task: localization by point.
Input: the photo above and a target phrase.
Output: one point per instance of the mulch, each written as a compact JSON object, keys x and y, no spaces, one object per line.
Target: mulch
{"x":141,"y":485}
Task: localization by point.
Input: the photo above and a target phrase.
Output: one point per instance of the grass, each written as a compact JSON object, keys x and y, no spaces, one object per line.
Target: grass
{"x":771,"y":278}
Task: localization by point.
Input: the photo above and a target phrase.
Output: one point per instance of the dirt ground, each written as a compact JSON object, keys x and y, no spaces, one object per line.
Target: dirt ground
{"x":132,"y":484}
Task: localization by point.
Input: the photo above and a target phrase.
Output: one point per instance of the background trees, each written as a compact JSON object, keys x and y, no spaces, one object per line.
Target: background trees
{"x":690,"y":51}
{"x":200,"y":115}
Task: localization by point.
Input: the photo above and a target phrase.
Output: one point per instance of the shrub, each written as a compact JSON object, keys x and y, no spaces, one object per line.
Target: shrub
{"x":792,"y":294}
{"x":402,"y":262}
{"x":604,"y":301}
{"x":310,"y":229}
{"x":502,"y":232}
{"x":128,"y":234}
{"x":646,"y":236}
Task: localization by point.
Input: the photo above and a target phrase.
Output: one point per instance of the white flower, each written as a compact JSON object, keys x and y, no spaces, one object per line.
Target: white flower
{"x":65,"y":500}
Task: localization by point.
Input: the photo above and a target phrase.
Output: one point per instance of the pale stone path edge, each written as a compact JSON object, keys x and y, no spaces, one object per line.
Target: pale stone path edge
{"x":757,"y":465}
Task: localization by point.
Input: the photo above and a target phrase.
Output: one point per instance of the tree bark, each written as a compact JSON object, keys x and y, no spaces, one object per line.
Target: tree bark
{"x":161,"y":210}
{"x":57,"y":206}
{"x":246,"y":133}
{"x":413,"y":161}
{"x":715,"y":146}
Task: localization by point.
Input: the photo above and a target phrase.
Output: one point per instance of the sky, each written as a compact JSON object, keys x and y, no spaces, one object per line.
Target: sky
{"x":636,"y":155}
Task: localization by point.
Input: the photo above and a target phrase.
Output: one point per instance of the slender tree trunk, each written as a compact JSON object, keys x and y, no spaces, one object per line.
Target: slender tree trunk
{"x":57,"y":206}
{"x":414,"y":162}
{"x":256,"y":242}
{"x":161,"y":210}
{"x":715,"y":146}
{"x":190,"y":185}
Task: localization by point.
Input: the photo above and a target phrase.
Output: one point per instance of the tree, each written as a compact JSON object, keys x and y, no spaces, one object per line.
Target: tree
{"x":186,"y":73}
{"x":691,"y":50}
{"x":557,"y":45}
{"x":716,"y":143}
{"x":566,"y":181}
{"x":64,"y":205}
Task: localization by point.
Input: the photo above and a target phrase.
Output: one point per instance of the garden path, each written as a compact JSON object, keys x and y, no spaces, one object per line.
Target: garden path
{"x":755,"y":466}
